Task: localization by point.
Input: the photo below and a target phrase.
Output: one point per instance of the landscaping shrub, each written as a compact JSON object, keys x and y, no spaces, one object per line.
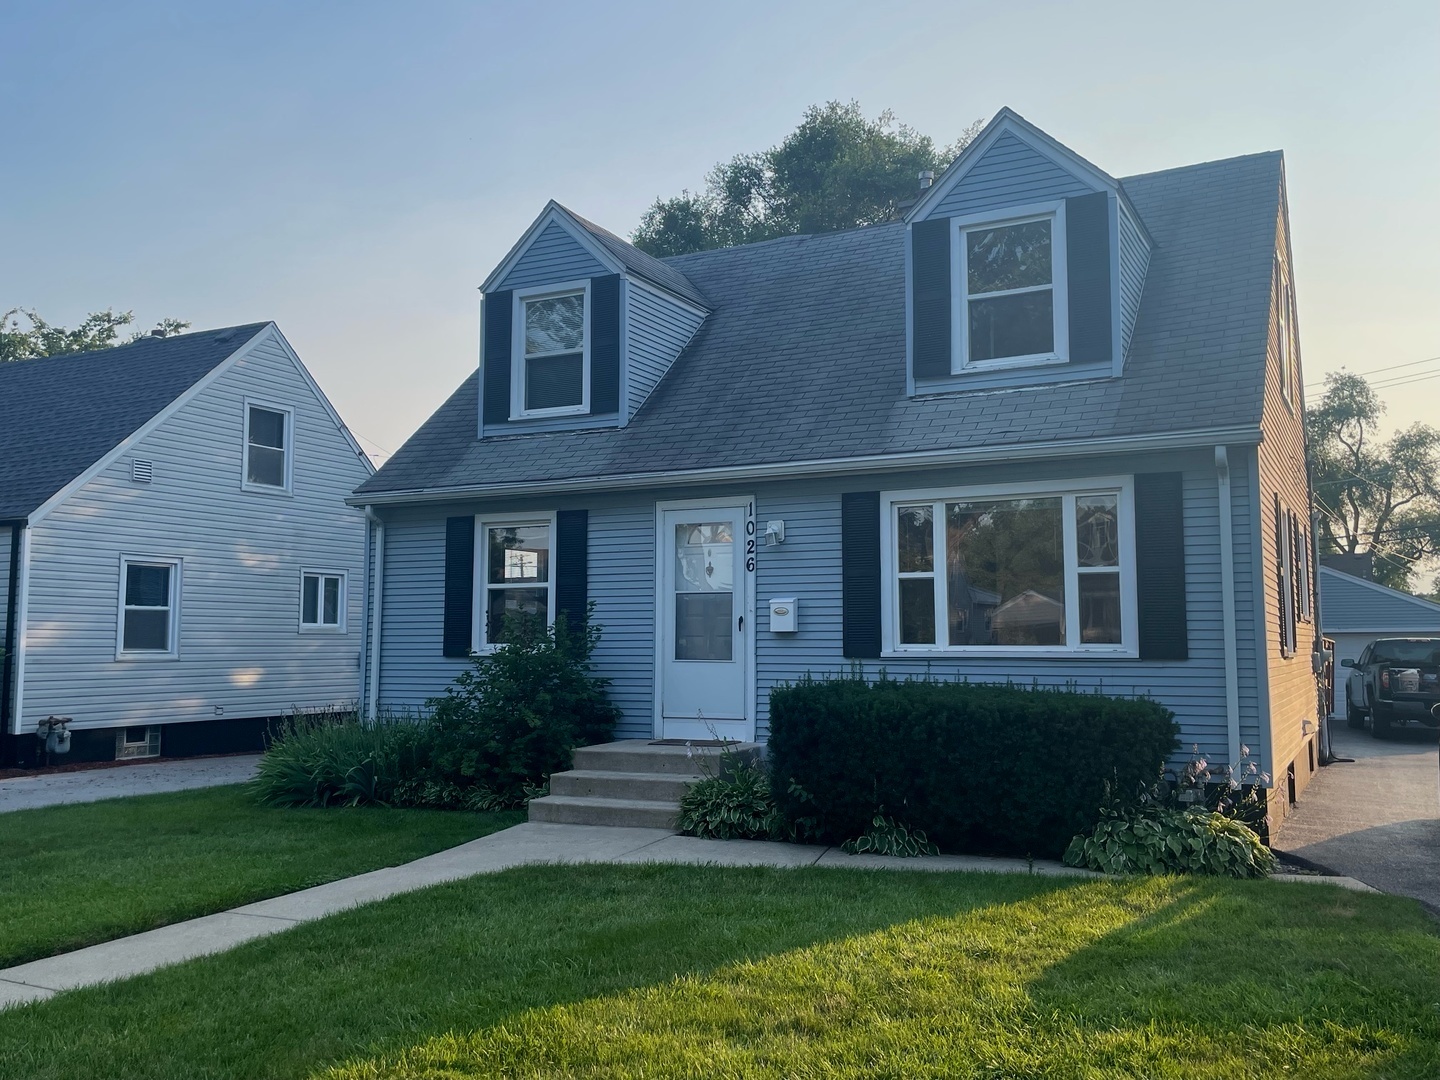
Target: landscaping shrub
{"x":1160,"y":840}
{"x":516,"y":715}
{"x":980,"y":768}
{"x":734,"y":804}
{"x":886,"y":836}
{"x":342,"y":760}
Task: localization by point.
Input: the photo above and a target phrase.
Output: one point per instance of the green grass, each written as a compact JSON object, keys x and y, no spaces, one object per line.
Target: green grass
{"x":630,"y":971}
{"x":75,"y":875}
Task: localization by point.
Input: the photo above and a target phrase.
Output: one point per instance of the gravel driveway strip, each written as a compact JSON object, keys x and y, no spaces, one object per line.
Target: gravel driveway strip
{"x":146,"y":778}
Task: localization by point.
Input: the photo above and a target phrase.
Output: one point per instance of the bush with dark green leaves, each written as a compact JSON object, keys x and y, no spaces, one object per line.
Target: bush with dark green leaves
{"x":982,"y":768}
{"x":1166,"y":841}
{"x":517,"y":714}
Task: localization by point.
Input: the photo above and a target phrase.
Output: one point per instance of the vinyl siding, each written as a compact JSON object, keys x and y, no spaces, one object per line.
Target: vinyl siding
{"x":1292,"y":695}
{"x":807,"y":567}
{"x":240,"y":648}
{"x":656,"y":330}
{"x":1009,"y":173}
{"x":554,"y":256}
{"x":1348,"y":604}
{"x":1134,"y":260}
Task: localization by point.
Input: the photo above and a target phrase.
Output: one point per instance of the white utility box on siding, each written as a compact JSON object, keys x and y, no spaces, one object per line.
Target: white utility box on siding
{"x":782,"y":615}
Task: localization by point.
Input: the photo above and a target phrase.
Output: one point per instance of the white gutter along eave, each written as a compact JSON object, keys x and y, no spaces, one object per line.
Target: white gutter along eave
{"x":787,"y":470}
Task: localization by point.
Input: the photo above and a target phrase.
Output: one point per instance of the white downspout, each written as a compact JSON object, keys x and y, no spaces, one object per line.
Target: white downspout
{"x":377,"y":577}
{"x":1227,"y":606}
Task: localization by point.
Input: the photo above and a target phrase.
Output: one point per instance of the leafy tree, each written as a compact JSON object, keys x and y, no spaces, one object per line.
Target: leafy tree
{"x":1373,"y":494}
{"x":98,"y":330}
{"x":837,"y":170}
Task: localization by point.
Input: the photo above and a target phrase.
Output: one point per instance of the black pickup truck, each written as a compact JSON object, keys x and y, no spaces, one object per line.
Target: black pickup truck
{"x":1395,"y":681}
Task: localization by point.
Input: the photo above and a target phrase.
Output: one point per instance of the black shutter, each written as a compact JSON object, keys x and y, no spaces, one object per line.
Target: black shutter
{"x":860,"y":574}
{"x":930,"y":288}
{"x":605,"y":344}
{"x":459,"y":585}
{"x":495,"y":358}
{"x":572,"y":538}
{"x":1160,"y":566}
{"x":1088,"y":262}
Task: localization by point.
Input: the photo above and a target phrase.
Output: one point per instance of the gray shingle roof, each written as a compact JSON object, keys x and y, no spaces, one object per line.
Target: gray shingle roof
{"x":61,"y":414}
{"x":637,"y":262}
{"x":803,"y":357}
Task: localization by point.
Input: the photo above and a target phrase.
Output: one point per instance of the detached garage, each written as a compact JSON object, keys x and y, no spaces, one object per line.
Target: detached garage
{"x":1354,"y":612}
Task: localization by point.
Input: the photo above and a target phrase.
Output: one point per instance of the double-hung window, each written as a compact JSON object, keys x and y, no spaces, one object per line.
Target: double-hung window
{"x":322,"y":600}
{"x":1049,"y":569}
{"x":551,"y":372}
{"x":149,"y":599}
{"x":1285,"y":344}
{"x":1011,"y":298}
{"x":268,"y":434}
{"x":513,"y":566}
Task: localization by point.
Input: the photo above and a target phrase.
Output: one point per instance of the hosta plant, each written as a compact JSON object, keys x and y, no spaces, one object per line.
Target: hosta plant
{"x":733,"y":804}
{"x":1165,"y":841}
{"x":886,"y":836}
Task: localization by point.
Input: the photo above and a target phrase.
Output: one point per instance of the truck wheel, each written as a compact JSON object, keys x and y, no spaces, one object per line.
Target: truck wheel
{"x":1380,"y":722}
{"x":1354,"y":718}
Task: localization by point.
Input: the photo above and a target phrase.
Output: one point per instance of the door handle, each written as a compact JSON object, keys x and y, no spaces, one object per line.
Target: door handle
{"x":742,"y":624}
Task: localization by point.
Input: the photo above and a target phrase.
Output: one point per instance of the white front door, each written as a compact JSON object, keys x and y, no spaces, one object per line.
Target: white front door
{"x":705,"y":553}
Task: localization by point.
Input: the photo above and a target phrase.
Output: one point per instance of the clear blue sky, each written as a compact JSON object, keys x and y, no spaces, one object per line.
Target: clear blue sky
{"x":354,"y":170}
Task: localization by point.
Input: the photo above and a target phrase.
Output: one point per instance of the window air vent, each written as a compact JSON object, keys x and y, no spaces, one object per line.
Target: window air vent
{"x":141,"y":471}
{"x":137,"y":742}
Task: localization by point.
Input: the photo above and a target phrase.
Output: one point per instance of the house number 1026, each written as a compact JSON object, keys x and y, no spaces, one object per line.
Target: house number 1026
{"x":750,"y":539}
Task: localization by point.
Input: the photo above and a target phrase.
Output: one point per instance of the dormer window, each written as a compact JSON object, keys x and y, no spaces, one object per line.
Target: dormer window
{"x":1011,"y":300}
{"x":551,"y":365}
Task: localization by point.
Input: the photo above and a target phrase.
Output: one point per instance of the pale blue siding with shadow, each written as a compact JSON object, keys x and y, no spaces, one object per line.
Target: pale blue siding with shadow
{"x":412,"y":609}
{"x":1134,"y":261}
{"x":1349,"y":604}
{"x":1009,"y":173}
{"x":657,"y":330}
{"x":807,"y":567}
{"x":622,"y":586}
{"x":553,"y":257}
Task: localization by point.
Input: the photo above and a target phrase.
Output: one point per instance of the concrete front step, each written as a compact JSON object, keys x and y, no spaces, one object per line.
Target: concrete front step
{"x":641,"y":786}
{"x":643,"y":756}
{"x":629,"y":813}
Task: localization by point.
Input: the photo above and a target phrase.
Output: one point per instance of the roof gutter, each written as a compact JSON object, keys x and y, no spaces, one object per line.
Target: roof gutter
{"x":792,"y":470}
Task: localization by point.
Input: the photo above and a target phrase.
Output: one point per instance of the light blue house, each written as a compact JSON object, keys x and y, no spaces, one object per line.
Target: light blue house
{"x":1045,"y":428}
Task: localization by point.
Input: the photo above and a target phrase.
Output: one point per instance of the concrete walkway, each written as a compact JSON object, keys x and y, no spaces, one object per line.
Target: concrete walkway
{"x":533,"y":842}
{"x":1376,"y":818}
{"x":142,"y":778}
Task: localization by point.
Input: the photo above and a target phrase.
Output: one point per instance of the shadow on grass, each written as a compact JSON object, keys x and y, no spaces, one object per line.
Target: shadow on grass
{"x":465,"y":957}
{"x":1154,"y":978}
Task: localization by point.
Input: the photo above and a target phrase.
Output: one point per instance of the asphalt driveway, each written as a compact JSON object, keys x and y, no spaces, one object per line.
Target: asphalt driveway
{"x":1376,"y":819}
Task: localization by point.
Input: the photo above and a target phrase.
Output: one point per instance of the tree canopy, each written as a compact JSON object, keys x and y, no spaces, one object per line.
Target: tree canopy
{"x":1374,"y":494}
{"x":837,"y":170}
{"x":98,"y":330}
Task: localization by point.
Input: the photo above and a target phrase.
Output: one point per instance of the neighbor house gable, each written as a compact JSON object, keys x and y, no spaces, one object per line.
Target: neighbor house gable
{"x":1351,"y":605}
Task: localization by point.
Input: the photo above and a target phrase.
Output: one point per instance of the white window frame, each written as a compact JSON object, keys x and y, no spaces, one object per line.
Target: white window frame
{"x":1284,"y":314}
{"x":518,"y":411}
{"x":177,"y":569}
{"x":289,"y":413}
{"x":342,"y":609}
{"x":1054,"y":212}
{"x":1068,"y":490}
{"x":480,"y":602}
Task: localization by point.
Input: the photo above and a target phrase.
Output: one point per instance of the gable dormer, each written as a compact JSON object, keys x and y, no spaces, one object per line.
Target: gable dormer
{"x":578,"y":327}
{"x":1026,"y":266}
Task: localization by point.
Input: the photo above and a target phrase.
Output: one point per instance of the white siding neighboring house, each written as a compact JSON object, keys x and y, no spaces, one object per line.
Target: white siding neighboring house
{"x":187,"y":563}
{"x":1354,"y":612}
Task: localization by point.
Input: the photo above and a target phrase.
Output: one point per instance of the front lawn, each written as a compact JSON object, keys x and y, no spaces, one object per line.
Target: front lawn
{"x":75,"y":875}
{"x":680,"y":971}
